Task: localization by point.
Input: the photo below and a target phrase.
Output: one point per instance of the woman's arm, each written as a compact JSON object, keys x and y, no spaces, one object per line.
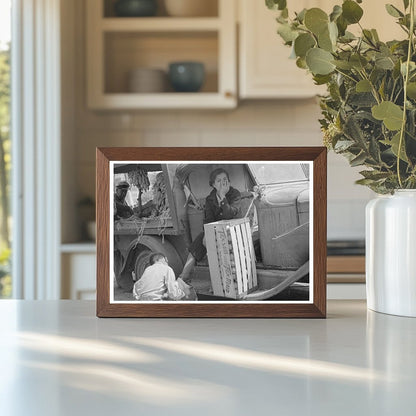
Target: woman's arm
{"x":230,"y":205}
{"x":210,"y":211}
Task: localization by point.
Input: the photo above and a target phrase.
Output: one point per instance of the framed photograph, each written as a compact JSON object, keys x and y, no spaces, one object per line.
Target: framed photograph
{"x":211,"y":232}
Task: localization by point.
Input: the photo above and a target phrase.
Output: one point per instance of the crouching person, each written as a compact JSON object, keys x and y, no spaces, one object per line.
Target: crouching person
{"x":158,"y":282}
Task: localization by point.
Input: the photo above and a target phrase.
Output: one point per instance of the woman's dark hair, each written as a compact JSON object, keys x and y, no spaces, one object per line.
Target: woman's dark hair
{"x":154,"y":257}
{"x":215,"y":173}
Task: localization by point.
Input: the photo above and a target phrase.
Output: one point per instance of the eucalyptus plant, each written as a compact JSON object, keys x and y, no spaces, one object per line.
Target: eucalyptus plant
{"x":369,"y":111}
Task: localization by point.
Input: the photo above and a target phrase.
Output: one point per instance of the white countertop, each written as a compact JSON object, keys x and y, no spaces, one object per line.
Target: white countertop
{"x":57,"y":358}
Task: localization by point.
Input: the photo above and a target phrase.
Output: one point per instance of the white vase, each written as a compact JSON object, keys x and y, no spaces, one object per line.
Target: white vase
{"x":391,"y":253}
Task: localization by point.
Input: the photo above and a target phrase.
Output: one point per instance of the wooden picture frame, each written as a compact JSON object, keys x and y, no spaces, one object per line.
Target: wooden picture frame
{"x":120,"y":258}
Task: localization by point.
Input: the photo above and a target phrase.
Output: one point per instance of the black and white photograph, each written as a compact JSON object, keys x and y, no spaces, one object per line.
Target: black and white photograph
{"x":211,"y":231}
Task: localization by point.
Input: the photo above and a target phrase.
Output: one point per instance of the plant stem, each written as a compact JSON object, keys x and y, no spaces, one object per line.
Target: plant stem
{"x":373,"y":88}
{"x":346,"y":75}
{"x":406,"y":79}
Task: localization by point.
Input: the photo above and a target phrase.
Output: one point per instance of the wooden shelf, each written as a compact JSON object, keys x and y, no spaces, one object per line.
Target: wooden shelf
{"x":80,"y":247}
{"x":196,"y":100}
{"x":160,"y":24}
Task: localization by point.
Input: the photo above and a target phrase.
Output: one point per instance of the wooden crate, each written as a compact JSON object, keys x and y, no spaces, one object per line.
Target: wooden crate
{"x":231,"y":258}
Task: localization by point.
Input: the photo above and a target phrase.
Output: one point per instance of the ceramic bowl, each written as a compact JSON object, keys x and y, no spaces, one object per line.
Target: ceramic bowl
{"x":147,"y":80}
{"x":186,"y":76}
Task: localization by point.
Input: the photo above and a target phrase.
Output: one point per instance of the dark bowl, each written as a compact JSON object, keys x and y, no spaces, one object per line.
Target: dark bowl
{"x":186,"y":76}
{"x":135,"y":8}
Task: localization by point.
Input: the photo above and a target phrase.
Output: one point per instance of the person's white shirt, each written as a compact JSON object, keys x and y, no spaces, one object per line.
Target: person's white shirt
{"x":158,"y":282}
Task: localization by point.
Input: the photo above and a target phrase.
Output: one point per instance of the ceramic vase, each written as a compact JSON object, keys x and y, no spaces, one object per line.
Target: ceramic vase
{"x":391,"y":253}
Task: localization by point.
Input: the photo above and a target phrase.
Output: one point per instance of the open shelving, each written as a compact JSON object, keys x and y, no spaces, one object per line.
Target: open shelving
{"x":117,"y":45}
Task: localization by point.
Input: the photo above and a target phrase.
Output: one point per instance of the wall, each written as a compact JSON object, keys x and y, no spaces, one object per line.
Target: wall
{"x":253,"y":123}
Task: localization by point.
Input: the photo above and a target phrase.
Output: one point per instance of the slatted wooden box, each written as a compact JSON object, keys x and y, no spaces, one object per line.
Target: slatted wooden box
{"x":231,"y":258}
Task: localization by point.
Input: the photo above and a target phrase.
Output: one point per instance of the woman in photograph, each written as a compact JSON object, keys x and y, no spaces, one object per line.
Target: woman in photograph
{"x":223,"y":203}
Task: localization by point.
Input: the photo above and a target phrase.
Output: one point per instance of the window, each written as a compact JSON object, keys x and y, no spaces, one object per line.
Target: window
{"x":5,"y":145}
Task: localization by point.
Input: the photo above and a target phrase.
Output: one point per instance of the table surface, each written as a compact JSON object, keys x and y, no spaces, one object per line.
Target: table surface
{"x":57,"y":358}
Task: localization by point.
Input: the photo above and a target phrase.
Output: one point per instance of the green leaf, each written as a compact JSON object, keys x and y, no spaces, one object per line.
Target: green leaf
{"x":394,"y":143}
{"x":365,"y":182}
{"x":319,"y":61}
{"x":325,"y":42}
{"x":343,"y":145}
{"x":377,"y":75}
{"x":301,"y":63}
{"x":411,"y":123}
{"x":287,"y":33}
{"x":375,"y":35}
{"x":344,"y":65}
{"x":321,"y":79}
{"x":333,"y":32}
{"x":412,"y":67}
{"x":374,"y":150}
{"x":336,"y":12}
{"x":358,"y":160}
{"x":342,"y":25}
{"x":351,"y":11}
{"x":316,"y":20}
{"x":405,"y":21}
{"x":281,"y":19}
{"x":353,"y":131}
{"x":347,"y":37}
{"x":406,"y":4}
{"x":276,"y":4}
{"x":391,"y":114}
{"x":282,"y":4}
{"x":368,"y":36}
{"x":303,"y":43}
{"x":358,"y":61}
{"x":363,"y":86}
{"x":384,"y":62}
{"x":393,"y":11}
{"x":411,"y":90}
{"x":362,"y":99}
{"x":382,"y":89}
{"x":374,"y":174}
{"x":301,"y":15}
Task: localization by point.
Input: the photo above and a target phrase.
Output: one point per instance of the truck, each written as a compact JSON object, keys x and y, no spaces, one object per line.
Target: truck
{"x":168,"y":203}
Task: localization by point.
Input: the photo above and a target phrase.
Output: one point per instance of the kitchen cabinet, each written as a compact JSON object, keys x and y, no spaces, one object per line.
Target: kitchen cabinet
{"x":118,"y":45}
{"x":78,"y":263}
{"x":265,"y":70}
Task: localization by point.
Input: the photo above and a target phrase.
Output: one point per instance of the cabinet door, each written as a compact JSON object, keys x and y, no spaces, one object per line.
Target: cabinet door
{"x":265,"y":68}
{"x":78,"y":276}
{"x":266,"y":71}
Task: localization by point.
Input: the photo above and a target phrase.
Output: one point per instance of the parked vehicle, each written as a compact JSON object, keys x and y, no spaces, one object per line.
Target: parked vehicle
{"x":167,"y":220}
